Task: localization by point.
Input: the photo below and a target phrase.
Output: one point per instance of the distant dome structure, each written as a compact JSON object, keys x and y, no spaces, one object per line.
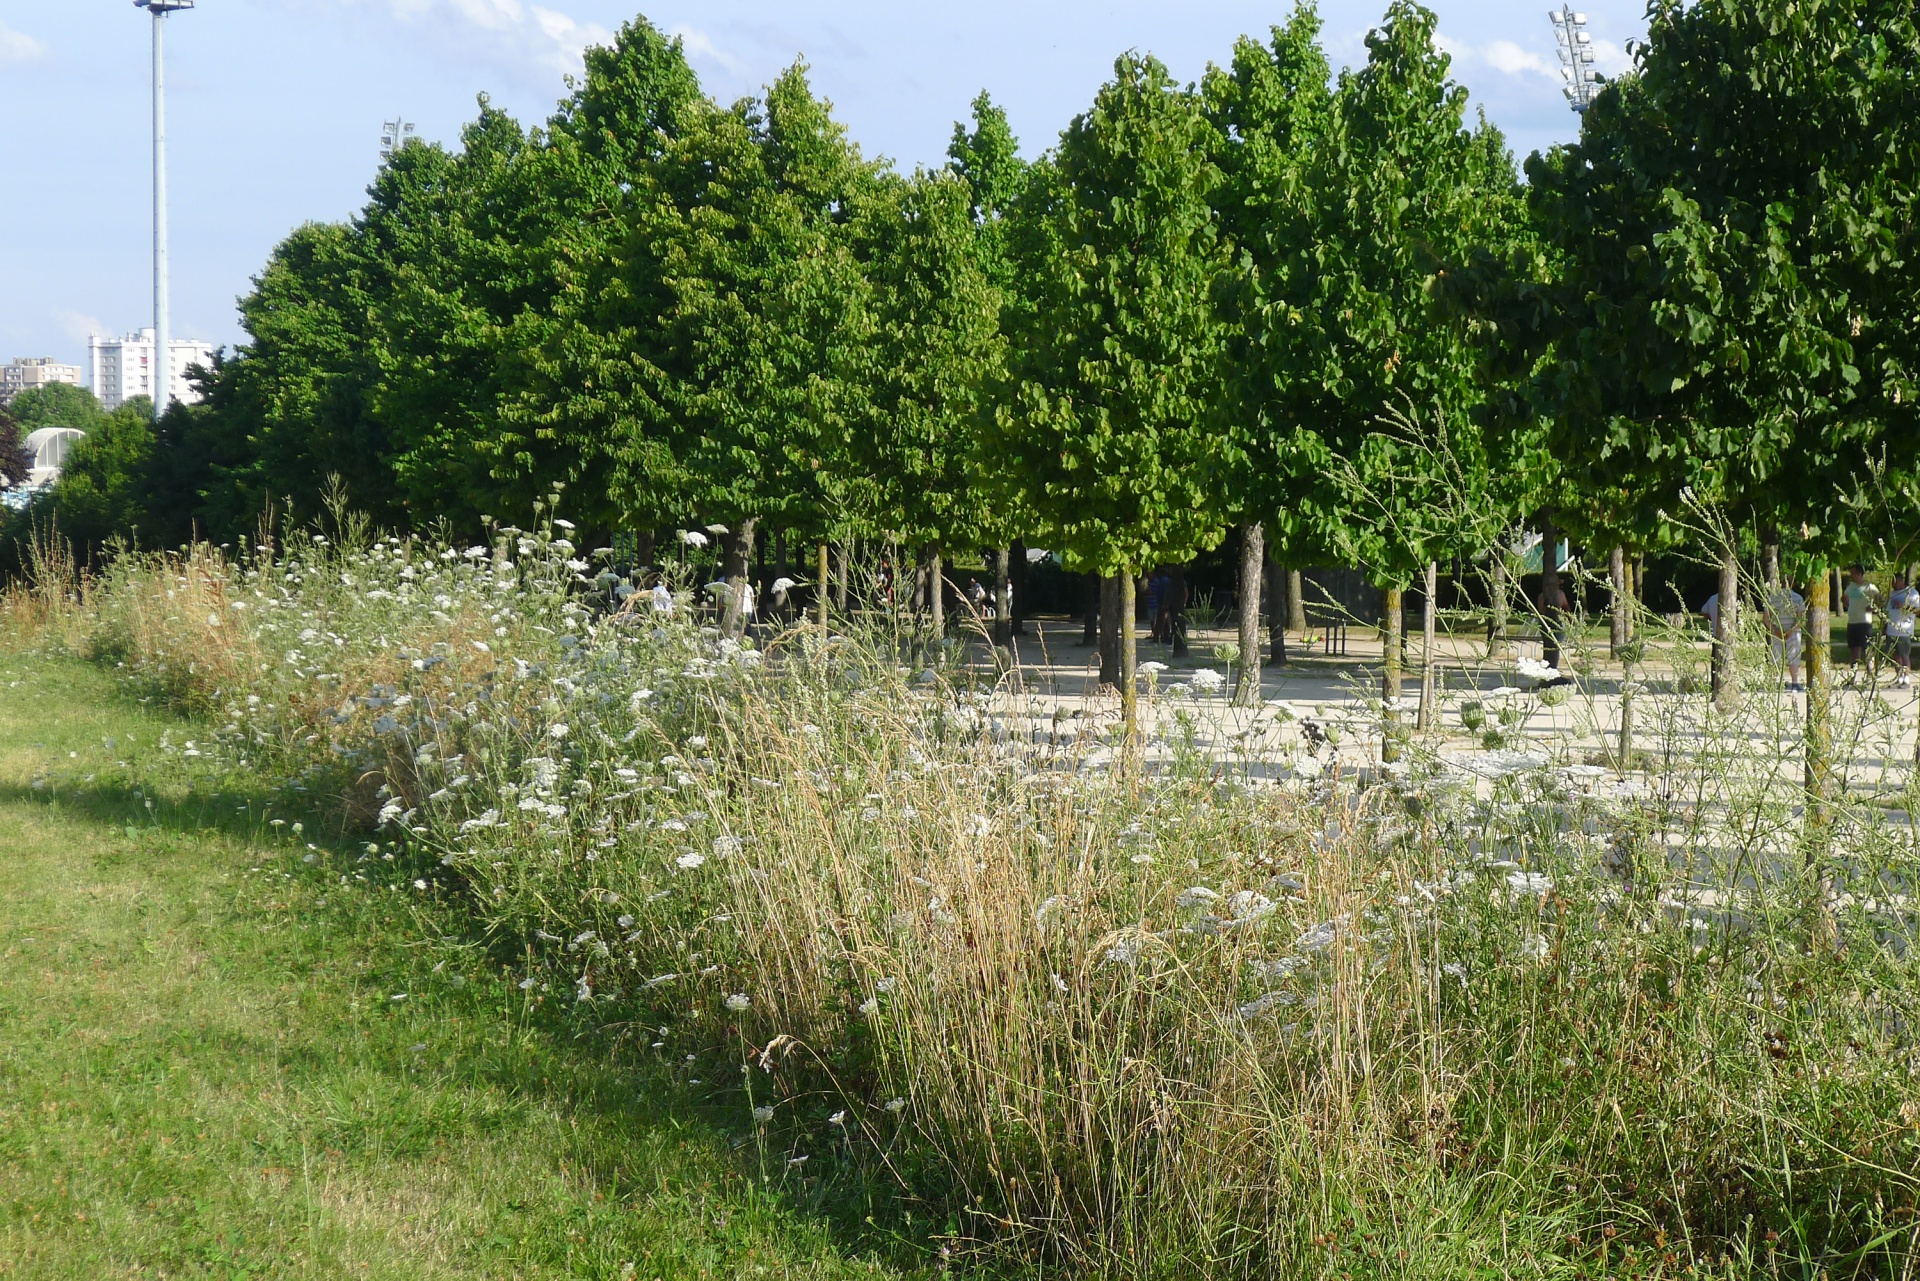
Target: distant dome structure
{"x":49,"y":447}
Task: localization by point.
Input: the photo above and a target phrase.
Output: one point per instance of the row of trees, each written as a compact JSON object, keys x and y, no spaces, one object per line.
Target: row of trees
{"x":1321,"y":311}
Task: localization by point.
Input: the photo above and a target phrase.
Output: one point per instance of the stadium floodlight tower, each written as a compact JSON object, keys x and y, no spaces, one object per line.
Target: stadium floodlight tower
{"x":1576,"y":56}
{"x":162,"y":375}
{"x":394,"y":134}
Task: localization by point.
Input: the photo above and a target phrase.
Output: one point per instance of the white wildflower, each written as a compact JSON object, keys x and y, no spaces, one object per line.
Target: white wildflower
{"x":690,"y":860}
{"x":738,"y":1002}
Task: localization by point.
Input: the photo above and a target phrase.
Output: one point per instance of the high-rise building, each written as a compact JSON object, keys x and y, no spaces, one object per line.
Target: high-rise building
{"x":118,"y":369}
{"x":35,"y":371}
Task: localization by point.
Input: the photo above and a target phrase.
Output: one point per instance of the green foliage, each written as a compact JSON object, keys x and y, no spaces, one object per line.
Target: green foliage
{"x":1346,"y":208}
{"x":1104,"y":437}
{"x":1730,"y":313}
{"x":935,"y":356}
{"x":15,"y":460}
{"x":741,"y":308}
{"x":55,"y":405}
{"x":100,"y":493}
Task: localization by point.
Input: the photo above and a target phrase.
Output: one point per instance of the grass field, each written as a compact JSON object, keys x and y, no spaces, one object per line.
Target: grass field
{"x":210,"y":1066}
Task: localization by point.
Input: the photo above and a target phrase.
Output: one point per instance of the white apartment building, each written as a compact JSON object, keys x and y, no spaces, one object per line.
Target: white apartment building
{"x":118,"y":369}
{"x":35,"y":371}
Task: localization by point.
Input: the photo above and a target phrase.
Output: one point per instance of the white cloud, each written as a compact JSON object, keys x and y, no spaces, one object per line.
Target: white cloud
{"x":1505,"y":55}
{"x":493,"y":15}
{"x":79,"y":326}
{"x":18,"y":46}
{"x":700,"y":46}
{"x":528,"y":37}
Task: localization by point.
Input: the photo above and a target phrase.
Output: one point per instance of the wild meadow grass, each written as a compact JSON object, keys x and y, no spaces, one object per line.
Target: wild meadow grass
{"x":1064,"y":1002}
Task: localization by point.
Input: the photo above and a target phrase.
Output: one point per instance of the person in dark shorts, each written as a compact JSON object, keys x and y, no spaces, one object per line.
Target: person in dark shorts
{"x":1857,"y":597}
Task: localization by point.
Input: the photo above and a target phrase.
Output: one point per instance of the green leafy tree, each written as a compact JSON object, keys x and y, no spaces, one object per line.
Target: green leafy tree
{"x":1272,"y":111}
{"x":746,"y":306}
{"x":1105,"y":440}
{"x":15,"y":459}
{"x":1335,"y":308}
{"x":1731,"y":319}
{"x":56,"y":405}
{"x":102,"y":491}
{"x":579,"y":407}
{"x":935,"y":354}
{"x":987,"y":157}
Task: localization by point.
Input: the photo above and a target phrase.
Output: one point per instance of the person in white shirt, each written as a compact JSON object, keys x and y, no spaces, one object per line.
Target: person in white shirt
{"x":1903,"y":602}
{"x":1786,"y":613}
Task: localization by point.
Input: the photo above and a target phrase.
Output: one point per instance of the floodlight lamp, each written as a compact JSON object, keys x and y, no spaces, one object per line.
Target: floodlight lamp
{"x":159,"y":7}
{"x":1579,"y":19}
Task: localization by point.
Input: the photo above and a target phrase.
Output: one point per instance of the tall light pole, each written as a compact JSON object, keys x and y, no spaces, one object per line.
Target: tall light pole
{"x":162,"y":376}
{"x":1576,"y":56}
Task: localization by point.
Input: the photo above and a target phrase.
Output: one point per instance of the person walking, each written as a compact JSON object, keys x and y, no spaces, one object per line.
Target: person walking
{"x":1786,"y":615}
{"x":1857,"y":597}
{"x":1903,"y":602}
{"x":977,"y":599}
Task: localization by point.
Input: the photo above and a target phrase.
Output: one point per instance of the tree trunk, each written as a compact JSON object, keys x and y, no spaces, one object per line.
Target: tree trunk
{"x":1129,"y":686}
{"x":840,"y":576}
{"x":1296,"y":603}
{"x":1726,"y":688}
{"x":1090,"y":605}
{"x":1617,"y":635}
{"x":1428,"y":657}
{"x":1770,"y":557}
{"x":1277,"y":611}
{"x":1253,"y":556}
{"x":1017,"y":588}
{"x":1551,"y":615}
{"x":936,"y":594}
{"x":824,"y":567}
{"x":1109,"y":630}
{"x":1815,"y":634}
{"x":1497,"y":591}
{"x":1390,"y":671}
{"x":738,"y":560}
{"x":1002,"y":596}
{"x":643,"y":549}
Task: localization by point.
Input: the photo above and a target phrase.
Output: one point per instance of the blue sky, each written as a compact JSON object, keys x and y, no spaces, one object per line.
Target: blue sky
{"x":275,"y":106}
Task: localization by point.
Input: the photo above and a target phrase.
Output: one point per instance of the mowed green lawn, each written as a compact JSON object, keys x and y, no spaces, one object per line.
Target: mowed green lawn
{"x":215,"y":1064}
